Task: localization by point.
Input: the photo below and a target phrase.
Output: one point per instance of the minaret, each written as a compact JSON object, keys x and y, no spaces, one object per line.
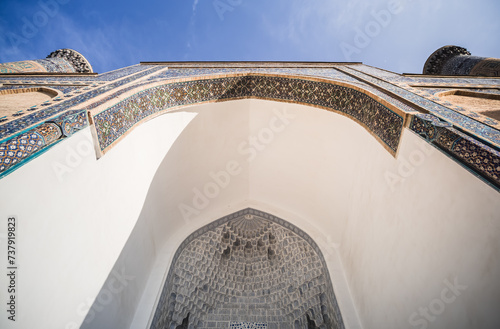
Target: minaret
{"x":454,"y":60}
{"x":59,"y":61}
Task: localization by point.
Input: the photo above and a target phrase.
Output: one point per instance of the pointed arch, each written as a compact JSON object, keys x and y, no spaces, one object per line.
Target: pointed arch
{"x":130,"y":107}
{"x":293,"y":287}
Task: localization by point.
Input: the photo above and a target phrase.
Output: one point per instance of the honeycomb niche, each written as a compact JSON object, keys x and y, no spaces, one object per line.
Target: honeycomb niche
{"x":248,"y":270}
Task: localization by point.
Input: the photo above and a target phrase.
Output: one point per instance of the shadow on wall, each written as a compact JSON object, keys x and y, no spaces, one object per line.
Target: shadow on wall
{"x":175,"y":183}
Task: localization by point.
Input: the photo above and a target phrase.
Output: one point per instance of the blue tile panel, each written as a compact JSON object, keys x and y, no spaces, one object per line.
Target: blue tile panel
{"x":108,"y":76}
{"x":16,"y":126}
{"x":488,"y":134}
{"x":416,"y":85}
{"x":56,"y":65}
{"x":415,"y":79}
{"x":64,"y":89}
{"x":327,"y":73}
{"x":25,"y":146}
{"x":115,"y":121}
{"x":482,"y":159}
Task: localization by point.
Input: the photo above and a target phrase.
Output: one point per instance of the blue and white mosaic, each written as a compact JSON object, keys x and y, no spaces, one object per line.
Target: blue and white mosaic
{"x":408,"y":94}
{"x":18,"y":125}
{"x":384,"y":123}
{"x":488,"y":134}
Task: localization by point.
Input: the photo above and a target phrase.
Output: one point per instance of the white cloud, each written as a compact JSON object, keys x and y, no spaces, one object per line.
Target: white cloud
{"x":195,"y":4}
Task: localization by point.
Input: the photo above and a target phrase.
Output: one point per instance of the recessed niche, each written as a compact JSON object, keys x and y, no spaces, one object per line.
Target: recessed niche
{"x":14,"y":100}
{"x":484,"y":103}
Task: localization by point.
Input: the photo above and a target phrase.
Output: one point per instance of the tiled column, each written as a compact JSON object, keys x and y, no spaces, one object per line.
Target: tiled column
{"x":59,"y":61}
{"x":454,"y":60}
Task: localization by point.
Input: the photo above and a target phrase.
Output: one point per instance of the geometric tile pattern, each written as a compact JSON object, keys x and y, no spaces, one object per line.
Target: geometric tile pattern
{"x":248,"y":270}
{"x":56,"y":65}
{"x":481,"y":158}
{"x":108,"y":76}
{"x":328,"y":73}
{"x":39,"y":65}
{"x":23,"y":146}
{"x":199,"y":72}
{"x":476,"y":138}
{"x":63,"y":88}
{"x":382,"y":122}
{"x":410,"y":84}
{"x":14,"y":126}
{"x":71,"y":121}
{"x":488,"y":134}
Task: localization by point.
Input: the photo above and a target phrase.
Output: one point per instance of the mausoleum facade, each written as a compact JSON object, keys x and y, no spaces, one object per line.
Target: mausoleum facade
{"x":253,"y":194}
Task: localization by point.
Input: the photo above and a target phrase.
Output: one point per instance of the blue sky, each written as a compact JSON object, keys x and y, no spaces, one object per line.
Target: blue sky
{"x":396,"y":35}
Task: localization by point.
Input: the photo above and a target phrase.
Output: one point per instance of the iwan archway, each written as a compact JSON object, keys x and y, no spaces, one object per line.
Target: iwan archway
{"x":322,"y":172}
{"x":395,"y":218}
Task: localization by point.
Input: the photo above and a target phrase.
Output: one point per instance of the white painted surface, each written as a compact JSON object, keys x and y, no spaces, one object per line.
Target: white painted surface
{"x":389,"y":242}
{"x":71,"y":230}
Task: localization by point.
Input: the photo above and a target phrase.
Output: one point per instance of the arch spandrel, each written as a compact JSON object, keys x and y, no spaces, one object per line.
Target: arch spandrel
{"x":252,"y":268}
{"x":113,"y":120}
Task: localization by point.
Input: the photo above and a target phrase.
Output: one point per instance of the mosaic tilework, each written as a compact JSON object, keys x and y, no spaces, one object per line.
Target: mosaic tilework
{"x":183,"y":73}
{"x":115,"y":121}
{"x":240,"y":267}
{"x":56,"y":65}
{"x":483,"y":159}
{"x":21,"y":66}
{"x":64,"y":89}
{"x":247,"y":325}
{"x":25,"y":145}
{"x":108,"y":76}
{"x":414,"y":79}
{"x":433,"y":95}
{"x":328,"y":73}
{"x":71,"y":121}
{"x":126,"y":71}
{"x":15,"y":126}
{"x":376,"y":72}
{"x":20,"y":149}
{"x":487,"y":133}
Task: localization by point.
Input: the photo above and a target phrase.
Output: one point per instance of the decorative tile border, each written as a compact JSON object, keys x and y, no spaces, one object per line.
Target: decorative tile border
{"x":384,"y":123}
{"x":19,"y":150}
{"x":56,"y":65}
{"x":327,"y":73}
{"x":15,"y":126}
{"x":108,"y":76}
{"x":482,"y":159}
{"x":358,"y":91}
{"x":468,"y":124}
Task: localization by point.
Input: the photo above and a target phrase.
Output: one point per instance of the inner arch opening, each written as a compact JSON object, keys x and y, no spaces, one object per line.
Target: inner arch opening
{"x":248,"y":270}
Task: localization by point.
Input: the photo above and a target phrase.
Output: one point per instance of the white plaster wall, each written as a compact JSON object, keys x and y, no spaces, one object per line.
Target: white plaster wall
{"x":74,"y":216}
{"x":327,"y":175}
{"x":391,"y":242}
{"x":407,"y":229}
